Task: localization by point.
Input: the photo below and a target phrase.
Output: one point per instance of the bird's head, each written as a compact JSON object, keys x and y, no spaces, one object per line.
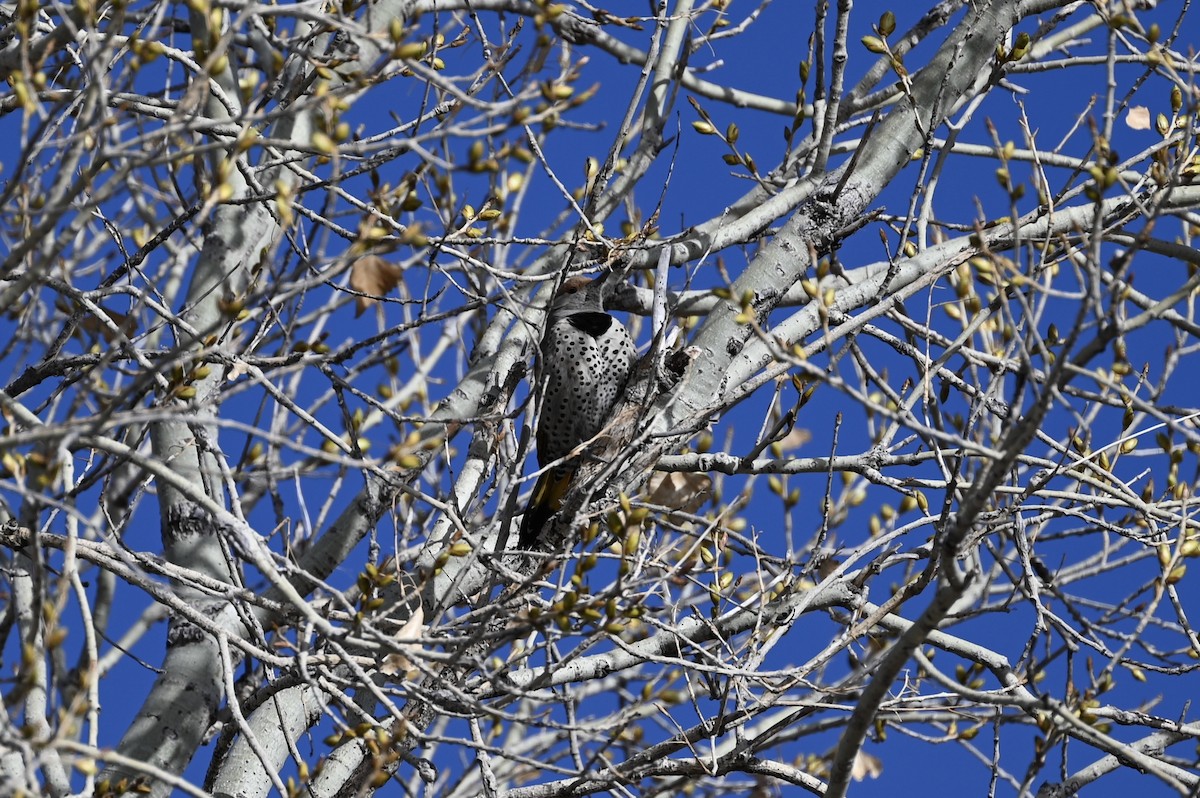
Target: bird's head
{"x":578,"y":294}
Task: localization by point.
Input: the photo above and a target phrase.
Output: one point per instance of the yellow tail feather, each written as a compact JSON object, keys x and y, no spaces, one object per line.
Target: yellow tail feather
{"x":543,"y":504}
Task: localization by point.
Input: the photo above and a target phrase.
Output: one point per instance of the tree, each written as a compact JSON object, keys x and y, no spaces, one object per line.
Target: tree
{"x":274,"y":283}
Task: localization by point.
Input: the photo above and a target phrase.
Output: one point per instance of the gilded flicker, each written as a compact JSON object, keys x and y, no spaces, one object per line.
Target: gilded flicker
{"x":586,"y":359}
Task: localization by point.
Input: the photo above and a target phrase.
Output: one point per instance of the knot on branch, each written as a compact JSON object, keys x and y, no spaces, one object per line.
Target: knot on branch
{"x":13,"y":535}
{"x":674,"y":365}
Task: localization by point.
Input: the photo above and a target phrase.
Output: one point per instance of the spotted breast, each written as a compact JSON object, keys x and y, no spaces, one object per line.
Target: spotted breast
{"x":586,"y":359}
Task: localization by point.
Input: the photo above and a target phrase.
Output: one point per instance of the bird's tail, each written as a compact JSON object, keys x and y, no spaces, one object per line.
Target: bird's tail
{"x":543,"y":504}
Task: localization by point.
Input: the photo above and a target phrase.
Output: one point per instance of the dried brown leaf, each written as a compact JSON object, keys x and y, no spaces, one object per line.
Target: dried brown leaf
{"x":372,"y":276}
{"x":678,"y":490}
{"x":1138,"y":117}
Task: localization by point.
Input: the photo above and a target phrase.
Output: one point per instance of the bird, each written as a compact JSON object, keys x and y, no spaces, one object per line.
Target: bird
{"x":587,"y":356}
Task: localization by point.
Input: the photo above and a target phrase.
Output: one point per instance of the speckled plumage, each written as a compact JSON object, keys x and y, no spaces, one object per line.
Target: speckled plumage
{"x":586,"y":359}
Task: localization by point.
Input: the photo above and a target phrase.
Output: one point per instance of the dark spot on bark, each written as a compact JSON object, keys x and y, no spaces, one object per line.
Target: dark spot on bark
{"x":189,"y":523}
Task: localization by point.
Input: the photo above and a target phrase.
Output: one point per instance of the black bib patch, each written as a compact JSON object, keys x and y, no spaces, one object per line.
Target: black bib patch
{"x":592,"y":323}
